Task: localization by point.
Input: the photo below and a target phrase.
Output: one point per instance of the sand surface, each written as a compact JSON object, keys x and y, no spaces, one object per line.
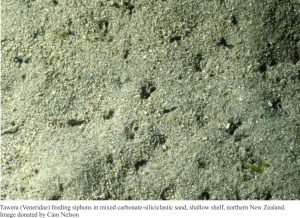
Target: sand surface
{"x":150,"y":99}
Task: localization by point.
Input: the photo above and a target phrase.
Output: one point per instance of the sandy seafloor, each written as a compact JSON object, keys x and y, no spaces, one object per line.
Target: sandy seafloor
{"x":150,"y":99}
